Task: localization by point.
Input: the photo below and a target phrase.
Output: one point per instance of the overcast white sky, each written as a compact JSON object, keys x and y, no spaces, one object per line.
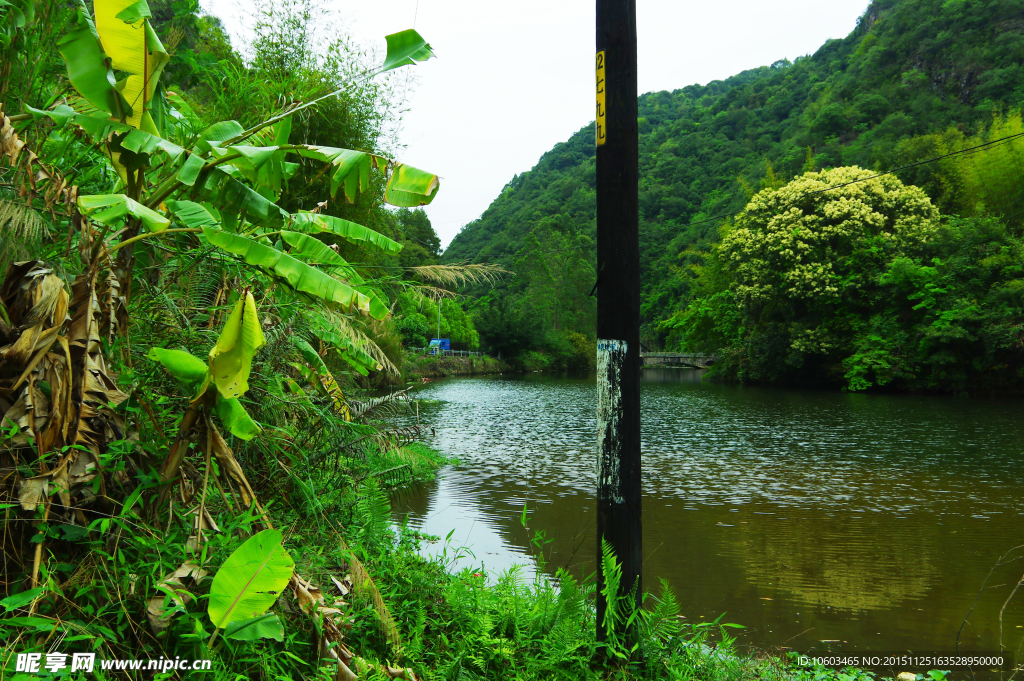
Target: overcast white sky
{"x":512,"y":79}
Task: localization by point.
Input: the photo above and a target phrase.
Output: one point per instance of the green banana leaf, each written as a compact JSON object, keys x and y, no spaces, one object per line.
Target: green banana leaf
{"x":239,"y":341}
{"x":352,"y":168}
{"x":20,"y":15}
{"x":409,"y":187}
{"x":278,"y":170}
{"x":236,"y":419}
{"x":112,"y":209}
{"x":183,"y":112}
{"x":263,"y":626}
{"x":298,"y":274}
{"x":62,"y":114}
{"x":192,"y":214}
{"x":89,"y":67}
{"x":311,"y":356}
{"x":312,"y":250}
{"x":356,"y":366}
{"x":219,"y":132}
{"x":350,"y":231}
{"x":137,"y":11}
{"x":235,"y":198}
{"x":316,"y":252}
{"x":282,"y":130}
{"x":183,"y":365}
{"x":378,"y":305}
{"x":189,"y":171}
{"x":405,"y":48}
{"x":250,"y":580}
{"x":276,"y":134}
{"x":142,"y":142}
{"x":99,"y":127}
{"x":273,"y":176}
{"x":263,"y":167}
{"x":160,"y":111}
{"x":324,"y":378}
{"x":39,"y":114}
{"x":135,"y":52}
{"x":252,"y":157}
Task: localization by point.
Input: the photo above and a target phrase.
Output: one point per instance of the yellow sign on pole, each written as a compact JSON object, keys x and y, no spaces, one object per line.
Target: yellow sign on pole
{"x":601,"y":130}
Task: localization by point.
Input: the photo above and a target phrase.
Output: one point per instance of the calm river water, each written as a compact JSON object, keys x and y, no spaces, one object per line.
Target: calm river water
{"x":820,"y":521}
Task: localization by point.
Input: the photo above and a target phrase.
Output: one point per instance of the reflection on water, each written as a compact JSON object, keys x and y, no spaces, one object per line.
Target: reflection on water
{"x":867,"y":522}
{"x":858,"y":573}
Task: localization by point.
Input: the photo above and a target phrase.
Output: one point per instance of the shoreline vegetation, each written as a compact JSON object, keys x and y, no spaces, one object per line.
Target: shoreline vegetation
{"x":420,"y":366}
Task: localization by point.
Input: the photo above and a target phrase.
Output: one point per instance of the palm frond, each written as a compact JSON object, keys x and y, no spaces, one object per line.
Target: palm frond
{"x":361,"y":409}
{"x":343,"y":325}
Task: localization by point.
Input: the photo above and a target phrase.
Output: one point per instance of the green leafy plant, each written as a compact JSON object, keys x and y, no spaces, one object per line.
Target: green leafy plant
{"x":228,"y":369}
{"x":247,"y":584}
{"x":202,"y":199}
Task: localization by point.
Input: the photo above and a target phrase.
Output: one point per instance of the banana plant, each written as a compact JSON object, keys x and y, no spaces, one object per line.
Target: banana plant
{"x":217,"y":187}
{"x":214,"y":387}
{"x":220,"y":185}
{"x":226,"y":375}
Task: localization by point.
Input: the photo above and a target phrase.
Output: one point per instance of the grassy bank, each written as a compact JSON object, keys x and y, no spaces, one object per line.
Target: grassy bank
{"x":430,"y":366}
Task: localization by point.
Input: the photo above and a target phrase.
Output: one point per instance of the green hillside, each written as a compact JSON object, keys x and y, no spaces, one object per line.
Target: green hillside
{"x":911,"y":68}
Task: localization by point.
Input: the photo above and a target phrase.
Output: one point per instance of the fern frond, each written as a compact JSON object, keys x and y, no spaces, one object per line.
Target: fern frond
{"x":375,"y":513}
{"x":361,"y":409}
{"x":611,"y":570}
{"x":663,"y":621}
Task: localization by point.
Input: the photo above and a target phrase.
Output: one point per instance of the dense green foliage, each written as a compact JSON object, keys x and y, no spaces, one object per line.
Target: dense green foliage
{"x":419,"y":319}
{"x":915,"y":79}
{"x":859,"y":286}
{"x":543,"y":318}
{"x":420,"y":243}
{"x":299,"y":49}
{"x":178,"y":307}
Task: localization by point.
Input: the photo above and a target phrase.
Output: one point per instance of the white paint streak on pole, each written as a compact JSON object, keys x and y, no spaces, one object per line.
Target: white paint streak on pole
{"x":611,"y":355}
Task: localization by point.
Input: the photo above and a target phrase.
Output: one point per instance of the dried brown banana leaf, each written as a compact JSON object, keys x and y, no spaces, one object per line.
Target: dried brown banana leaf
{"x":35,"y":301}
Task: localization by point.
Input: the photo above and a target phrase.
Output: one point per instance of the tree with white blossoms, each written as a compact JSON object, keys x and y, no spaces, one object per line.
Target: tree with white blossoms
{"x":804,"y":263}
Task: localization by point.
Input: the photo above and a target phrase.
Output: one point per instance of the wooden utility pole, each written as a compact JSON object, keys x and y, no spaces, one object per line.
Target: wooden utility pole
{"x":618,"y":297}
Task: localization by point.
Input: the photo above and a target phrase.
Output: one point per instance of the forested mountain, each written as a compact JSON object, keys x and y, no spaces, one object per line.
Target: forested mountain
{"x":879,"y":98}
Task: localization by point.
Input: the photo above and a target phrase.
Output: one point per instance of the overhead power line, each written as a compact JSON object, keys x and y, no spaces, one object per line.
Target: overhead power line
{"x":985,"y":146}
